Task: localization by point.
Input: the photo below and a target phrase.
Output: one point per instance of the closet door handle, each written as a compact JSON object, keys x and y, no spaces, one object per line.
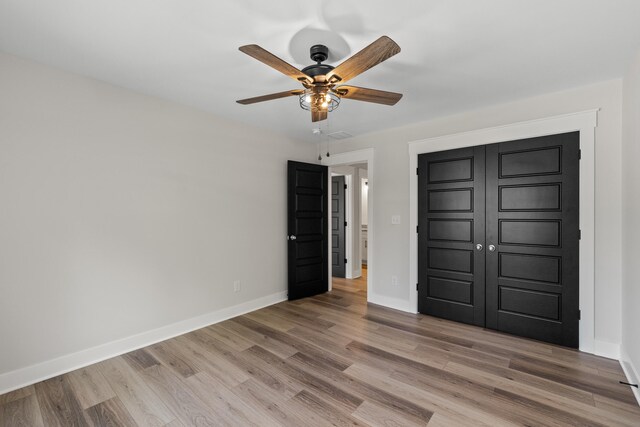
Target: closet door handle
{"x":492,"y":248}
{"x":479,"y":246}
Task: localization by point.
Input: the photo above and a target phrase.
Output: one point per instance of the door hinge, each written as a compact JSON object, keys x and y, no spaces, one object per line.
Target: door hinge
{"x":417,"y":228}
{"x":417,"y":171}
{"x":417,"y":286}
{"x":345,"y":186}
{"x":579,"y":234}
{"x":579,"y":314}
{"x":345,"y":260}
{"x":579,"y":154}
{"x":345,"y":223}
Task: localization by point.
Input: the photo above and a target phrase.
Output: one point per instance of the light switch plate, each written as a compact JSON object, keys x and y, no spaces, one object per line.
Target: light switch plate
{"x":395,"y":219}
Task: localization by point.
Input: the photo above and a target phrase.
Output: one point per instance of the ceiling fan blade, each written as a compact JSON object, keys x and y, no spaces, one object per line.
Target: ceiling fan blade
{"x":378,"y":51}
{"x":273,"y":61}
{"x":318,"y":115}
{"x":270,"y":97}
{"x":368,"y":95}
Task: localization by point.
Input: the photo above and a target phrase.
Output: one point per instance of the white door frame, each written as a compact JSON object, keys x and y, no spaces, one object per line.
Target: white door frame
{"x":345,"y":159}
{"x":585,"y":122}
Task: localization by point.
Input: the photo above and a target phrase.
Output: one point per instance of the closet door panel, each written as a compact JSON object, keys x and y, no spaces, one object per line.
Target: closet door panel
{"x":451,"y":211}
{"x":532,"y":221}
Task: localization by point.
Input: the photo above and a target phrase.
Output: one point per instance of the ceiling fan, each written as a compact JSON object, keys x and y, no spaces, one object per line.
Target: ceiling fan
{"x":323,"y":88}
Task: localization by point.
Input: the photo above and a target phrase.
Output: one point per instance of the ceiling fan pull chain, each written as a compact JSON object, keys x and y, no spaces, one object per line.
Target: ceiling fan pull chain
{"x":316,"y":131}
{"x":328,"y":139}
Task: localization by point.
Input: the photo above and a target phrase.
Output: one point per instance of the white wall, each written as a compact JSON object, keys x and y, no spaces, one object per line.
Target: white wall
{"x":630,"y":225}
{"x":121,"y":213}
{"x":392,"y":188}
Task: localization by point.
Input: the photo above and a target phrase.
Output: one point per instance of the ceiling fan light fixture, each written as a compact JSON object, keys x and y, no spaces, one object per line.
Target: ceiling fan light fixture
{"x":314,"y":99}
{"x":320,"y":94}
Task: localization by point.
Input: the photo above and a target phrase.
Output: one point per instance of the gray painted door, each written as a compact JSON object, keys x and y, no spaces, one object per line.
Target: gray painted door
{"x":338,"y":225}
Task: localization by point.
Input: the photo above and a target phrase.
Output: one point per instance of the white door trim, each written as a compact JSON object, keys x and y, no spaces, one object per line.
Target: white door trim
{"x":585,"y":122}
{"x":343,"y":159}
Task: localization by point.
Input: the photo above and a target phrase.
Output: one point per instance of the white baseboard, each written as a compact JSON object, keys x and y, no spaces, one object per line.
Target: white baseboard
{"x":22,"y":377}
{"x":606,"y":349}
{"x":631,"y":373}
{"x":395,"y":303}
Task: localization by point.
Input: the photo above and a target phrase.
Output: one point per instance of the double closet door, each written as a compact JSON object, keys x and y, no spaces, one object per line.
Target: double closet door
{"x":498,"y":236}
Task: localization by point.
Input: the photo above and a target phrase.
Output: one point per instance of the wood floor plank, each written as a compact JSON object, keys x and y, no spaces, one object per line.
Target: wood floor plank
{"x":23,"y":412}
{"x":279,"y":410}
{"x":325,"y":309}
{"x":178,"y":397}
{"x":175,"y":423}
{"x":502,"y":404}
{"x":166,"y":353}
{"x":376,"y":415}
{"x":110,"y":413}
{"x":89,"y":386}
{"x":276,"y":322}
{"x":231,"y":339}
{"x":454,"y":409}
{"x":576,"y":379}
{"x":419,"y":331}
{"x":298,"y":319}
{"x":481,"y":336}
{"x":275,"y":346}
{"x":225,"y":402}
{"x":301,"y":346}
{"x":140,"y":359}
{"x":17,"y":394}
{"x":268,"y":373}
{"x":398,"y":342}
{"x":58,"y":404}
{"x":334,"y":359}
{"x":490,"y":374}
{"x":362,"y":390}
{"x":545,"y":396}
{"x":312,"y":382}
{"x":328,"y":340}
{"x":328,"y":412}
{"x":205,"y":360}
{"x":144,"y":406}
{"x":611,"y":406}
{"x":260,"y":372}
{"x":478,"y":393}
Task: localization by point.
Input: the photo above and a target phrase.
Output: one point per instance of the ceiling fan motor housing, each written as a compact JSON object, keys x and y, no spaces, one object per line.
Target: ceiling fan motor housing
{"x":318,"y":53}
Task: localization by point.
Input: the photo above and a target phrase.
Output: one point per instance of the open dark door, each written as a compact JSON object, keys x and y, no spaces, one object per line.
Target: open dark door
{"x":338,"y":225}
{"x":307,"y":229}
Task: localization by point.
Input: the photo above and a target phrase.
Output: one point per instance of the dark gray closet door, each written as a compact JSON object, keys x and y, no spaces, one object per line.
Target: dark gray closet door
{"x":338,"y":225}
{"x":532,"y":238}
{"x":451,"y":211}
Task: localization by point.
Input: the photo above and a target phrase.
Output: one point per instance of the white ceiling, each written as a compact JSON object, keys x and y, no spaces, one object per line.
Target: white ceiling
{"x":456,"y":55}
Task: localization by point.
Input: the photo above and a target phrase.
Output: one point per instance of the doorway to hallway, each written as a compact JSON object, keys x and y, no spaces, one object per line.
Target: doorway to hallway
{"x":357,"y":286}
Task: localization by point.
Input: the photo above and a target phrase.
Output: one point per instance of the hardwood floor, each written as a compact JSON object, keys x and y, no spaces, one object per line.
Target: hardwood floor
{"x":334,"y":360}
